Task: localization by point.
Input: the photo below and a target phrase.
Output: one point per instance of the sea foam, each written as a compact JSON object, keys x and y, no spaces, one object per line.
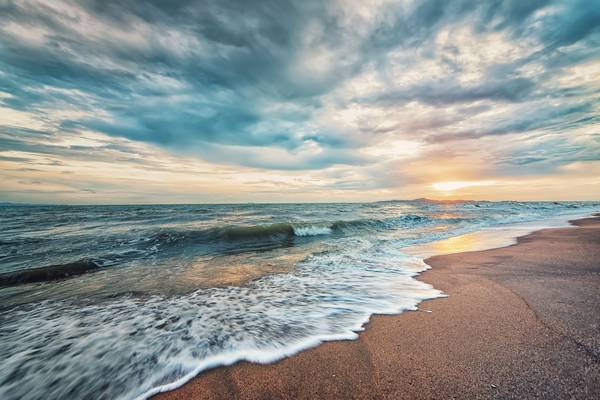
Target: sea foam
{"x":312,"y":230}
{"x":133,"y":347}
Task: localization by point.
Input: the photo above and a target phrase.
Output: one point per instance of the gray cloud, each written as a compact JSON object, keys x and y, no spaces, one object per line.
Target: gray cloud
{"x":223,"y":80}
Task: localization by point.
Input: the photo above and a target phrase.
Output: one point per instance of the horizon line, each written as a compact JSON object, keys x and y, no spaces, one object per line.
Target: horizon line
{"x":422,"y":199}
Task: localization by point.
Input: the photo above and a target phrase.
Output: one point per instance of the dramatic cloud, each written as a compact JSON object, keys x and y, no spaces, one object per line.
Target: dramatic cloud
{"x":297,"y":100}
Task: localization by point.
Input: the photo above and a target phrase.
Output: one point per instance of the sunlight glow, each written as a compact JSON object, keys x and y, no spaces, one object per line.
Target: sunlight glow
{"x":454,"y":185}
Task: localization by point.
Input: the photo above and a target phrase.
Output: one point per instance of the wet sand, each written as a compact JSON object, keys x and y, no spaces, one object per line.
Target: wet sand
{"x":520,"y":322}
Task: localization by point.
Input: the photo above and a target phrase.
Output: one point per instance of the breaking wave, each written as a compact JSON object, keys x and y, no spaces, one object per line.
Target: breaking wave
{"x":235,"y":233}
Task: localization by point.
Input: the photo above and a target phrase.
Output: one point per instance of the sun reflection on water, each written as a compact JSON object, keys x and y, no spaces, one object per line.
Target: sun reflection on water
{"x":456,"y":244}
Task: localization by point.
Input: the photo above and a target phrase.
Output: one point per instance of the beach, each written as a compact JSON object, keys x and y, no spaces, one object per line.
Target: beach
{"x":299,"y":199}
{"x":521,"y":321}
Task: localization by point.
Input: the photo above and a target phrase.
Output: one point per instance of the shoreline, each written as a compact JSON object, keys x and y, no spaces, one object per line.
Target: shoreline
{"x":517,"y":323}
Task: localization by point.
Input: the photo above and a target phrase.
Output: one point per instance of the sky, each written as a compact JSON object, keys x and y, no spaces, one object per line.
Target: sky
{"x":130,"y":101}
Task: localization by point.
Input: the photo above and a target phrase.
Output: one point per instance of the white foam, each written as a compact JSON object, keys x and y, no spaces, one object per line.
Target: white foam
{"x":312,"y":230}
{"x":141,"y":346}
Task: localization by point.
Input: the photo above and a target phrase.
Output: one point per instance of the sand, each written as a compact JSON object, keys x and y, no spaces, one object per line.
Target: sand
{"x":520,"y":322}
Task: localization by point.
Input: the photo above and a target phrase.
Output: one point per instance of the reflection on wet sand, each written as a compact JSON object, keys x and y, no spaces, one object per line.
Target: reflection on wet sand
{"x":475,"y":241}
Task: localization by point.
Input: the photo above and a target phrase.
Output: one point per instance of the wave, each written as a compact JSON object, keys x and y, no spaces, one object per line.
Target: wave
{"x":142,"y":345}
{"x":250,"y":233}
{"x":284,"y":230}
{"x":230,"y":239}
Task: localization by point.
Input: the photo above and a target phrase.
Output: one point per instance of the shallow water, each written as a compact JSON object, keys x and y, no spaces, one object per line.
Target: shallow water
{"x":185,"y":288}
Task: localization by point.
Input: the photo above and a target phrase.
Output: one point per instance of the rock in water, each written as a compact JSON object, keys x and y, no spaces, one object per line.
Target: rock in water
{"x":49,"y":273}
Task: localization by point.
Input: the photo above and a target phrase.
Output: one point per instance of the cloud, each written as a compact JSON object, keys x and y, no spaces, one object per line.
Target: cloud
{"x":299,"y":86}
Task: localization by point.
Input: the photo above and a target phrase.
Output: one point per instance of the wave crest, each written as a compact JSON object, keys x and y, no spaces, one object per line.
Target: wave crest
{"x":282,"y":231}
{"x":312,"y":230}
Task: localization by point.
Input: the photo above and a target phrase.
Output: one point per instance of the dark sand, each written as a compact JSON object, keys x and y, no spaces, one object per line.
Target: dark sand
{"x":520,"y":322}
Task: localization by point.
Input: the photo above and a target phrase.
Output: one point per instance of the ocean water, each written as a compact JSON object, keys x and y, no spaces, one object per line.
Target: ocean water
{"x":181,"y":289}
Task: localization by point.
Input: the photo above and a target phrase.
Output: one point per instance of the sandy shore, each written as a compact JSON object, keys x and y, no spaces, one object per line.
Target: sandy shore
{"x":520,"y":322}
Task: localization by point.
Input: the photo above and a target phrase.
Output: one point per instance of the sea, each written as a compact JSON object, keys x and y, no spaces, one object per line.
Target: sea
{"x":180,"y":289}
